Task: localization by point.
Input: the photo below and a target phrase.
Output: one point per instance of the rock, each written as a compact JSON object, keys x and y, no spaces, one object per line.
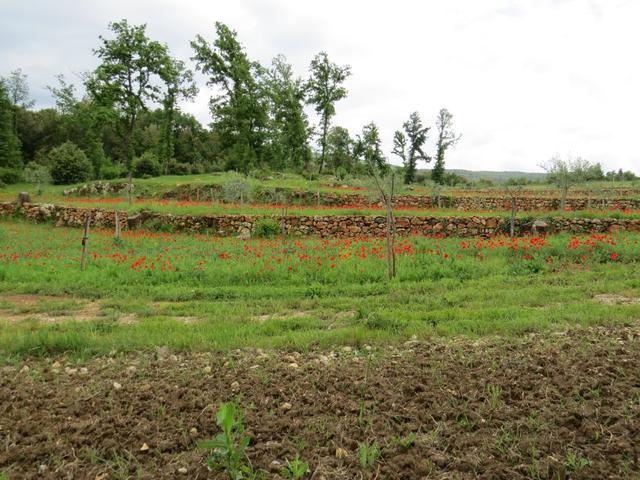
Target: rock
{"x":84,"y":370}
{"x":25,"y":369}
{"x":207,"y":369}
{"x":144,"y":447}
{"x":182,"y":471}
{"x":347,"y":349}
{"x":193,"y":432}
{"x":293,"y":365}
{"x":117,"y":386}
{"x":55,"y":364}
{"x":70,"y":371}
{"x":235,"y":386}
{"x":162,"y":352}
{"x":286,"y":406}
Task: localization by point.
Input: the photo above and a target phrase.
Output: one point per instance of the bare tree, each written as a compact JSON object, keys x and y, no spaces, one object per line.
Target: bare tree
{"x":368,"y":149}
{"x":514,"y":193}
{"x":566,"y":173}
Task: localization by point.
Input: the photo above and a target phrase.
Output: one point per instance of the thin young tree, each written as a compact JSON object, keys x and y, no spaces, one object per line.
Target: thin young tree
{"x":10,"y":153}
{"x":368,"y":150}
{"x":408,"y":145}
{"x":514,"y":192}
{"x":565,"y":174}
{"x":446,"y":139}
{"x":325,"y":87}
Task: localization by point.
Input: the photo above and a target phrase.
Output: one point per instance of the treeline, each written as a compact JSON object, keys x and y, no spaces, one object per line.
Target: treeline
{"x":127,"y":120}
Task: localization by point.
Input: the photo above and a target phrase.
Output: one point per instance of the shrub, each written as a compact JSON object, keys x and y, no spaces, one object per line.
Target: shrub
{"x":178,"y":168}
{"x":266,"y":228}
{"x":9,"y":176}
{"x":147,"y":164}
{"x":238,"y":191}
{"x":69,"y":164}
{"x":38,"y":175}
{"x":111,"y":172}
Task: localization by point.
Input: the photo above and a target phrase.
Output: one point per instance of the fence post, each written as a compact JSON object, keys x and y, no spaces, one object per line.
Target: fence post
{"x":85,"y":241}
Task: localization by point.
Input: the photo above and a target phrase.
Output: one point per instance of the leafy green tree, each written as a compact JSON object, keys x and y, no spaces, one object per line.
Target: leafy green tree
{"x":69,"y":164}
{"x":10,"y":155}
{"x":325,"y":89}
{"x":147,"y":165}
{"x":408,"y":145}
{"x":18,"y":91}
{"x":340,"y":149}
{"x":179,"y":85}
{"x":240,"y":111}
{"x":289,"y":127}
{"x":447,"y":138}
{"x":129,"y":77}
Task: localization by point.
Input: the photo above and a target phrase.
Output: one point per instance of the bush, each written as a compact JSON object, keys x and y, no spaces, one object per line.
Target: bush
{"x":178,"y":168}
{"x":266,"y":228}
{"x":9,"y":176}
{"x":147,"y":165}
{"x":238,"y":191}
{"x":112,"y":172}
{"x":69,"y":164}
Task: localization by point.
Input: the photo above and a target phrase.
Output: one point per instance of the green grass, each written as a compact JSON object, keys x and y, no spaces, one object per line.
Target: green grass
{"x":199,"y":292}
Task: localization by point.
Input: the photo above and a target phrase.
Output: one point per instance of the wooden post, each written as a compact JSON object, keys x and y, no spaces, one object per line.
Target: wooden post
{"x":130,"y":187}
{"x":85,"y":241}
{"x":212,"y":199}
{"x":117,"y":233}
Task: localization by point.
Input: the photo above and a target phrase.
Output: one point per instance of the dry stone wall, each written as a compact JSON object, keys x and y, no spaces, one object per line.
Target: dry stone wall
{"x":322,"y":226}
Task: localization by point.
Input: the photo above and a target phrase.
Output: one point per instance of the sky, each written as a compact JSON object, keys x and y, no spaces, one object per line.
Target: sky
{"x":524,"y":79}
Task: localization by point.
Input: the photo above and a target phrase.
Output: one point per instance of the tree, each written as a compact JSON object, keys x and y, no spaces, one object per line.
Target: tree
{"x":240,"y":111}
{"x":10,"y":155}
{"x":408,"y":145}
{"x":447,"y":138}
{"x":340,"y":150}
{"x":18,"y":91}
{"x":368,"y":150}
{"x":325,"y":89}
{"x":566,"y":173}
{"x":69,"y":164}
{"x":129,"y":77}
{"x":289,"y":127}
{"x":39,"y":175}
{"x":179,"y":84}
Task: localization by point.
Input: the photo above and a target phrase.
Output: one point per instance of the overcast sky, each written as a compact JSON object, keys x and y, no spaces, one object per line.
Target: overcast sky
{"x":524,"y":79}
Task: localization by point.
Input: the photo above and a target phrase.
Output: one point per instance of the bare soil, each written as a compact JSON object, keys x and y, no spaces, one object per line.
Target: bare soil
{"x":552,"y":405}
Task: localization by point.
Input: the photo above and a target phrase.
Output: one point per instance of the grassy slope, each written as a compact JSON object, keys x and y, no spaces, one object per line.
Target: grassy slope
{"x":239,"y":294}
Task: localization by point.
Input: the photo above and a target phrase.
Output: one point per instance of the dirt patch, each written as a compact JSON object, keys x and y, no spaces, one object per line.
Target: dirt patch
{"x":612,"y":299}
{"x":281,"y":316}
{"x":46,"y":309}
{"x":544,"y":406}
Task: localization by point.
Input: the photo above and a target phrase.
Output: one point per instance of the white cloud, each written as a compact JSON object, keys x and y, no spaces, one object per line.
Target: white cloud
{"x":524,"y":79}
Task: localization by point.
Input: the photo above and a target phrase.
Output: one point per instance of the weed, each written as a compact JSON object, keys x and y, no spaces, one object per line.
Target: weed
{"x":405,"y":443}
{"x":368,"y":454}
{"x":295,"y":469}
{"x":228,"y":449}
{"x":574,"y":461}
{"x":494,"y":393}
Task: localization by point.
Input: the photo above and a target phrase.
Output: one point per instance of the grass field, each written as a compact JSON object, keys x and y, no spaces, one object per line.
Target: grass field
{"x":200,"y":292}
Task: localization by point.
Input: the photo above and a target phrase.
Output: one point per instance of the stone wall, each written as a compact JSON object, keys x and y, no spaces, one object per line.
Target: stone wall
{"x":322,"y":226}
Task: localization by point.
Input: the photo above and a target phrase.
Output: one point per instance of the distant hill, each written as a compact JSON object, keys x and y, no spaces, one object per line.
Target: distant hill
{"x":473,"y":175}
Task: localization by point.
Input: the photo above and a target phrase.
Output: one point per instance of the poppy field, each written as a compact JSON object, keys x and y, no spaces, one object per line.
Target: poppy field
{"x":202,"y":292}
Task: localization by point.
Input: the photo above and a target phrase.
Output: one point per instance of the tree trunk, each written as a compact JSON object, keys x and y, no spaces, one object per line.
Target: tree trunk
{"x":85,"y":241}
{"x":325,"y":126}
{"x":512,"y":220}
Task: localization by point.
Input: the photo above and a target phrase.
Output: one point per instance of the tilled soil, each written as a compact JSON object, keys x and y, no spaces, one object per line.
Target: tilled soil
{"x":553,"y":405}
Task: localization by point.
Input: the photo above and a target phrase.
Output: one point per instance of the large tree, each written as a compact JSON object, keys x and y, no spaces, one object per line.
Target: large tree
{"x":18,"y":93}
{"x":179,"y":85}
{"x":340,"y":150}
{"x":240,"y":110}
{"x":129,"y":77}
{"x":408,"y":145}
{"x":447,"y":138}
{"x":289,"y":127}
{"x":325,"y":89}
{"x":10,"y":155}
